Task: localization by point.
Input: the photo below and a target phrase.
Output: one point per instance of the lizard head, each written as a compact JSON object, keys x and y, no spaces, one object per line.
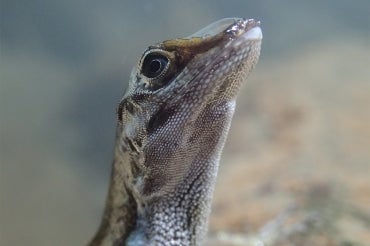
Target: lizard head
{"x":177,"y":109}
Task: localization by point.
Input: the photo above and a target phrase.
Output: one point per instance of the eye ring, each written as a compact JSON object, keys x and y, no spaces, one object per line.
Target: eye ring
{"x":155,"y":65}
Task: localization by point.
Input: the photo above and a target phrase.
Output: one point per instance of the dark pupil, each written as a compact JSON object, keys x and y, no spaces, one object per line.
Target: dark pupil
{"x":154,"y":65}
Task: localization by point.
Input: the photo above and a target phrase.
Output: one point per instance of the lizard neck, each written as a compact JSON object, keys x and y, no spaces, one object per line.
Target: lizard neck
{"x":180,"y":217}
{"x":120,"y":214}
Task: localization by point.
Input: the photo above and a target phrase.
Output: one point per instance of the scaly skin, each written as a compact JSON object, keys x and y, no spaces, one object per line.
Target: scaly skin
{"x":172,"y":125}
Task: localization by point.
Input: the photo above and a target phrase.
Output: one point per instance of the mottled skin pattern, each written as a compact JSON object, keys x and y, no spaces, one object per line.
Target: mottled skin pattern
{"x":172,"y":125}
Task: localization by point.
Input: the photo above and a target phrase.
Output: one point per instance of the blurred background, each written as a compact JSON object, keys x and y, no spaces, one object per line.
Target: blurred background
{"x":299,"y":140}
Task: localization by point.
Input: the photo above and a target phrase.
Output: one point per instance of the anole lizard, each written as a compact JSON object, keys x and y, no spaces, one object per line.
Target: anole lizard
{"x":173,"y":121}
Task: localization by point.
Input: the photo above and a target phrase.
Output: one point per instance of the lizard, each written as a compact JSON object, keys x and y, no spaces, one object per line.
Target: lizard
{"x":172,"y":124}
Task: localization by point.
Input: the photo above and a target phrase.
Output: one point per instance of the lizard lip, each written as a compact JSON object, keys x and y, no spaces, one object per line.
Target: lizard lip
{"x":232,"y":27}
{"x":248,"y":29}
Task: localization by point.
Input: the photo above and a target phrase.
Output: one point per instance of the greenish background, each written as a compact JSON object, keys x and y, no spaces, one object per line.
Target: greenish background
{"x":65,"y":65}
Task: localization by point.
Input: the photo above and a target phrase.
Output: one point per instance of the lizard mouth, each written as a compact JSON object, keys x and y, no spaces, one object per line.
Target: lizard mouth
{"x":245,"y":29}
{"x":224,"y":30}
{"x":230,"y":27}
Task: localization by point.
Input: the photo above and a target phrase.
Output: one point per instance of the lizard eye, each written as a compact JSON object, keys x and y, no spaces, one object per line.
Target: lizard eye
{"x":155,"y":65}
